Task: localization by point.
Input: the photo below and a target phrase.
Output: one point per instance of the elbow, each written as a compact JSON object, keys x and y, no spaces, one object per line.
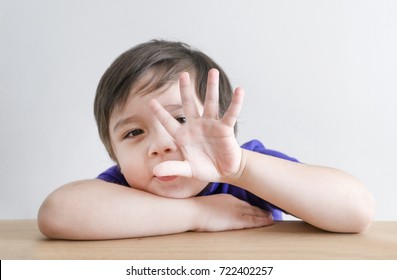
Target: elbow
{"x":47,"y":221}
{"x":368,"y":215}
{"x":362,"y":215}
{"x":355,"y":211}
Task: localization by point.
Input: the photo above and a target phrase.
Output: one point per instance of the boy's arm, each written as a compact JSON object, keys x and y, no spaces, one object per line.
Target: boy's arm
{"x":94,"y":209}
{"x":324,"y":197}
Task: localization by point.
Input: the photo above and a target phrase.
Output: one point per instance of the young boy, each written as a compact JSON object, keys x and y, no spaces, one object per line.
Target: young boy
{"x":166,"y":114}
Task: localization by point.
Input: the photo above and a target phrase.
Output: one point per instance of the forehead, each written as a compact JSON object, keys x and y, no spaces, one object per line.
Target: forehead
{"x":139,"y":101}
{"x":153,"y":83}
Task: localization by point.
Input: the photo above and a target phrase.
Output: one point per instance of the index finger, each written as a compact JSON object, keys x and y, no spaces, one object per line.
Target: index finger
{"x":169,"y":122}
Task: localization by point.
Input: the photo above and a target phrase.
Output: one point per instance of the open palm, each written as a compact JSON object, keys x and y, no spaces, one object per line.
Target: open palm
{"x":208,"y":143}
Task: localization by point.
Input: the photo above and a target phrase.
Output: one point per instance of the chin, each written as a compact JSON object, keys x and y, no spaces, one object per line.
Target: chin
{"x":176,"y":195}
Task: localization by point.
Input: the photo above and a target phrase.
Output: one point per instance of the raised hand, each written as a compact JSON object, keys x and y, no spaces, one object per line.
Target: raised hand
{"x":208,"y":144}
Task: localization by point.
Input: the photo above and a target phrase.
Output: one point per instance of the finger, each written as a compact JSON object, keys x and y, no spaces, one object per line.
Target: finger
{"x":251,"y":210}
{"x":257,"y":218}
{"x":169,"y":123}
{"x":231,"y":114}
{"x":258,"y":212}
{"x":173,"y":168}
{"x":256,"y":221}
{"x":211,"y":104}
{"x":187,"y":96}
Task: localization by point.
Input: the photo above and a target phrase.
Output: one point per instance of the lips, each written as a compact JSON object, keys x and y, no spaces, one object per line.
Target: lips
{"x":167,"y":178}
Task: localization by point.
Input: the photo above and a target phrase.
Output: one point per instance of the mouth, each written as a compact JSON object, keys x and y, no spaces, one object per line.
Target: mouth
{"x":167,"y":178}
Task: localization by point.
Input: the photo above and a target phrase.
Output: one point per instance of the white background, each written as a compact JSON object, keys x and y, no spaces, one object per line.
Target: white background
{"x":320,"y":80}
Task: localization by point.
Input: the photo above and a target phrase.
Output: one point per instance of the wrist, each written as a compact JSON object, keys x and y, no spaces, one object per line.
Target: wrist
{"x":197,"y":212}
{"x":235,"y":178}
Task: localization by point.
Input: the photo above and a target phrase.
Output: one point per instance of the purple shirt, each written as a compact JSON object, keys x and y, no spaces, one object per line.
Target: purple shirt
{"x":114,"y":175}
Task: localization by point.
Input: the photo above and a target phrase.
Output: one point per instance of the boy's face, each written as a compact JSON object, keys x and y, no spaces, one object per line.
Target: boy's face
{"x":140,"y":142}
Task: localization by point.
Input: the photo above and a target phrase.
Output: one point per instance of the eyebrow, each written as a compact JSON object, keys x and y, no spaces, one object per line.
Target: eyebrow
{"x":122,"y":122}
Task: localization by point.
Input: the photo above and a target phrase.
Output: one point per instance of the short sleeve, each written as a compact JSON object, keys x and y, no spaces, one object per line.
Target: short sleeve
{"x":113,"y":175}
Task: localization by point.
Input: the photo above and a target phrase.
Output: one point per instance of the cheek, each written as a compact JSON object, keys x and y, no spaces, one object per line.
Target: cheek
{"x":137,"y":173}
{"x":134,"y":172}
{"x":133,"y":164}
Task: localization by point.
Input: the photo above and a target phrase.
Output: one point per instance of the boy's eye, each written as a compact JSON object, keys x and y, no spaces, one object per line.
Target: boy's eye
{"x":134,"y":133}
{"x":181,"y":120}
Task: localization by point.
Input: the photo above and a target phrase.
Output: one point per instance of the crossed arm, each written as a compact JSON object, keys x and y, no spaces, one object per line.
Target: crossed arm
{"x":324,"y":197}
{"x":94,"y":209}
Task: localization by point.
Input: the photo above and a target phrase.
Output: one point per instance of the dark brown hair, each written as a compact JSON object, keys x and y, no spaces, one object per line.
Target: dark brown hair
{"x":161,"y":61}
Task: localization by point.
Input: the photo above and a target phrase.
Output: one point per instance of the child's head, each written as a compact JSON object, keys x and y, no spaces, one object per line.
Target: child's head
{"x":146,"y":68}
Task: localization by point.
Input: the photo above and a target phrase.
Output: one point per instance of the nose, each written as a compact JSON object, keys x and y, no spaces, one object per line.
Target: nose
{"x":161,"y":143}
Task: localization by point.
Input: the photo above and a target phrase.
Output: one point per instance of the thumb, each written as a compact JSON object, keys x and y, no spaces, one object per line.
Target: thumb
{"x":173,"y":168}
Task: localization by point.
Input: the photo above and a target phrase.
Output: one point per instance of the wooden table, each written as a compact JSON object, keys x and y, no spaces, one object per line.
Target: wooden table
{"x":21,"y":239}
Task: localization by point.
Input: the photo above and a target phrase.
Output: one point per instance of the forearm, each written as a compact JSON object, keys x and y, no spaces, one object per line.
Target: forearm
{"x":324,"y":197}
{"x":94,"y":209}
